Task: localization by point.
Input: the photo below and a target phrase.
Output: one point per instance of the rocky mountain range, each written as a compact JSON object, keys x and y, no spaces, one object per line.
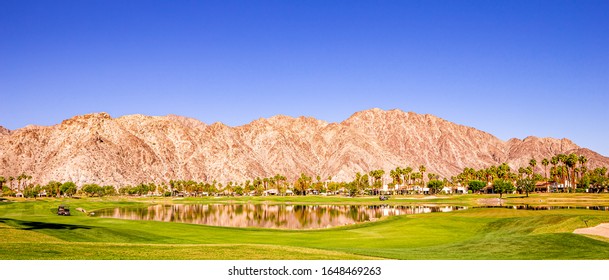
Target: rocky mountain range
{"x":128,"y":150}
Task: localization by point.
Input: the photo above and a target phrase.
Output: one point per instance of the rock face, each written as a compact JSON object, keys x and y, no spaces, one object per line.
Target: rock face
{"x":4,"y":131}
{"x":96,"y":148}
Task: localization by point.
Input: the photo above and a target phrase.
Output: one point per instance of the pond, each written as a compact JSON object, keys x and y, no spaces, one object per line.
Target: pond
{"x":268,"y":216}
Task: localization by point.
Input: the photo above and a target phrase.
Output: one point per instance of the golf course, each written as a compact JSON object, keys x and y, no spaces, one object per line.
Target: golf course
{"x":31,"y":229}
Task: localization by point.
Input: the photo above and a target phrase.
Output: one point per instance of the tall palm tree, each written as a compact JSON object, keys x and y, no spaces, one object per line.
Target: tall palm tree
{"x":582,"y":163}
{"x":394,"y":176}
{"x":532,"y":164}
{"x":19,"y":178}
{"x":521,"y":172}
{"x":545,"y":163}
{"x":10,"y":182}
{"x":407,"y":173}
{"x":2,"y":181}
{"x":562,"y":158}
{"x":503,"y":171}
{"x":422,"y":170}
{"x":377,"y":175}
{"x":571,"y":162}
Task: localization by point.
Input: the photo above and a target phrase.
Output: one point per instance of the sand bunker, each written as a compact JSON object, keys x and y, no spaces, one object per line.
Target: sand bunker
{"x":600,"y":230}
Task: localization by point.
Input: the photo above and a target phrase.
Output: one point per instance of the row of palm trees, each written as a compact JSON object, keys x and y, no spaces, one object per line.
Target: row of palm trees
{"x":15,"y":183}
{"x":568,"y":170}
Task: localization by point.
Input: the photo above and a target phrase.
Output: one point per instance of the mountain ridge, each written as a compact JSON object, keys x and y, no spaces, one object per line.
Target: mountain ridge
{"x":131,"y":149}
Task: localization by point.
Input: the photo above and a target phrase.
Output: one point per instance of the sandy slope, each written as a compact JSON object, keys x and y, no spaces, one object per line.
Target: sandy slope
{"x":600,"y":230}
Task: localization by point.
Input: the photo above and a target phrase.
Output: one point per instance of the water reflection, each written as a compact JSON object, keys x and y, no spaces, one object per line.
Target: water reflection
{"x":537,"y":207}
{"x":268,"y":216}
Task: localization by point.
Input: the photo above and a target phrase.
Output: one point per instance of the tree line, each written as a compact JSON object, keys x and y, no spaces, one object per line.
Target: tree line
{"x":568,"y":172}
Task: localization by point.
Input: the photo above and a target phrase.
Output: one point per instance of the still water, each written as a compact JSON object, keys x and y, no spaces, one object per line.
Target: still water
{"x":268,"y":216}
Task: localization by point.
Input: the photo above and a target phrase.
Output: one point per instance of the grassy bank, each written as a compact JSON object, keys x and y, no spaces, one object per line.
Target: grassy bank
{"x":31,"y":230}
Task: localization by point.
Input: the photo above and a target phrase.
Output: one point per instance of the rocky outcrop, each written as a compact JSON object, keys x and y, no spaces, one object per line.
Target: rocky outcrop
{"x":97,"y":148}
{"x":4,"y":131}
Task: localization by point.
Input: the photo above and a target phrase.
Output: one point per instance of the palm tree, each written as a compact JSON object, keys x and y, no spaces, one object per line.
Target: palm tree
{"x":422,"y":170}
{"x":396,"y":176}
{"x":18,"y":182}
{"x":377,"y":175}
{"x":545,"y":163}
{"x":407,"y":171}
{"x":521,"y":171}
{"x":503,"y":171}
{"x":571,"y":162}
{"x":280,"y":182}
{"x":532,"y":164}
{"x":10,"y":182}
{"x":582,"y":163}
{"x":2,"y":181}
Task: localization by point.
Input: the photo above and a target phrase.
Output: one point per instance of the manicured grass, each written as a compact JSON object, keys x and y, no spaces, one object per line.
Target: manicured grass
{"x":31,"y":230}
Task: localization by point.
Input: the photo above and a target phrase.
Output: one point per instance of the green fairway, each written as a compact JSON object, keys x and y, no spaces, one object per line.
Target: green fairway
{"x":31,"y":230}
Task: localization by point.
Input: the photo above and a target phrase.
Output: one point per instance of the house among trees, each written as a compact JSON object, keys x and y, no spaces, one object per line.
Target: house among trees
{"x":487,"y":190}
{"x":461,"y":190}
{"x":542,"y":186}
{"x":558,"y":187}
{"x":270,"y":192}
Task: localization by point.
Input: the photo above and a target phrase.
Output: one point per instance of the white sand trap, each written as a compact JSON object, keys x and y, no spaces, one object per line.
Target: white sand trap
{"x":600,"y":230}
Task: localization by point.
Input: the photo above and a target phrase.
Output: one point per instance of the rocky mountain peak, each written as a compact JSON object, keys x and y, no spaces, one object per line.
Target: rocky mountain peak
{"x":87,"y":119}
{"x":4,"y":131}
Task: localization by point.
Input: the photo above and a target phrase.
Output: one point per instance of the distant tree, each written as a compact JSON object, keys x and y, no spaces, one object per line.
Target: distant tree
{"x":396,"y":176}
{"x":238,"y":190}
{"x":582,"y":164}
{"x":377,"y":175}
{"x":503,"y":171}
{"x":68,"y":188}
{"x":584,"y":182}
{"x":571,"y":161}
{"x":92,"y":190}
{"x":407,"y":173}
{"x":533,"y":164}
{"x":108,"y":191}
{"x":303,"y":183}
{"x":435,"y":185}
{"x":545,"y":163}
{"x":10,"y":182}
{"x":31,"y":191}
{"x":476,"y":186}
{"x":2,"y":181}
{"x":422,"y":170}
{"x":582,"y":160}
{"x":526,"y":185}
{"x":52,"y":188}
{"x":502,"y":186}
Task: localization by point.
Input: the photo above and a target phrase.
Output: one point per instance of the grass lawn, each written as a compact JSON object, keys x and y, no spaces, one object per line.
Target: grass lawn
{"x":31,"y":230}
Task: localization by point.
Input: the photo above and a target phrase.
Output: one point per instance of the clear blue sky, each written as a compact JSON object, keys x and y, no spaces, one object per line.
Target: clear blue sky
{"x":511,"y":68}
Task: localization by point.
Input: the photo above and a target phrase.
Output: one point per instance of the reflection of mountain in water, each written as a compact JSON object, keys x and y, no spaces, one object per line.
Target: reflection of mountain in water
{"x":268,"y":216}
